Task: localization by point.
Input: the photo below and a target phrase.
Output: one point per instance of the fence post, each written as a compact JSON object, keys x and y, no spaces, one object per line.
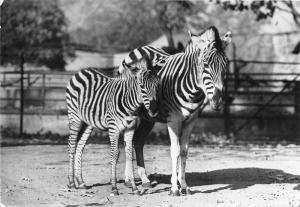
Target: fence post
{"x":28,"y":79}
{"x":21,"y":92}
{"x":235,"y":69}
{"x":297,"y":97}
{"x":226,"y":109}
{"x":43,"y":90}
{"x":4,"y":78}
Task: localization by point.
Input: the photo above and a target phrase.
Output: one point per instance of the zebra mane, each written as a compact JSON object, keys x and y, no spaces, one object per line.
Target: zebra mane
{"x":140,"y":64}
{"x":213,"y":34}
{"x":99,"y":71}
{"x":188,"y":45}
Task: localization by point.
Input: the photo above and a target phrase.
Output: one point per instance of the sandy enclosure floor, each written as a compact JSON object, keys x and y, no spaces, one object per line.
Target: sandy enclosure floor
{"x":219,"y":176}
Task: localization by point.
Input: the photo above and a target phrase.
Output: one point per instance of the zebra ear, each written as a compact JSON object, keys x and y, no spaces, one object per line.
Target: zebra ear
{"x":190,"y":34}
{"x":139,"y":65}
{"x":226,"y":40}
{"x":194,"y":38}
{"x":198,"y":41}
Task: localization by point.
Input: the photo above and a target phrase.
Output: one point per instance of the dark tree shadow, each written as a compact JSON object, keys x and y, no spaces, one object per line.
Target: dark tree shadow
{"x":236,"y":178}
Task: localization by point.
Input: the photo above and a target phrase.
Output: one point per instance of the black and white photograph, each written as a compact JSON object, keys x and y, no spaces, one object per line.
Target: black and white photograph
{"x":150,"y":103}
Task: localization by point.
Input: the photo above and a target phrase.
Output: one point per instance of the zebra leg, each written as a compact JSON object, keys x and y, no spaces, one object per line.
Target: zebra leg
{"x":74,"y":126}
{"x":84,"y":135}
{"x":114,"y":155}
{"x":184,"y":145}
{"x":139,"y":139}
{"x":174,"y":129}
{"x":128,"y":135}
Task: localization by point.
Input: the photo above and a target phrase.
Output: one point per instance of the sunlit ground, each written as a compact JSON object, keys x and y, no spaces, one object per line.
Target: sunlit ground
{"x":219,"y":176}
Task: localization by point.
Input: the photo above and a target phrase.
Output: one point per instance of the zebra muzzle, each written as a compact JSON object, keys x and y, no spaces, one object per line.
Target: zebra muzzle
{"x":216,"y":100}
{"x":153,"y":109}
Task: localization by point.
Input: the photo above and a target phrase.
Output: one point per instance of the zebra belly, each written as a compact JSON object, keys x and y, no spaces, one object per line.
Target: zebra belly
{"x":94,"y":113}
{"x":182,"y":112}
{"x":117,"y":122}
{"x":99,"y":123}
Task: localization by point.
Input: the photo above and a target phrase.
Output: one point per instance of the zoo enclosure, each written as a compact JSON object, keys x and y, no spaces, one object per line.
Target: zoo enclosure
{"x":247,"y":95}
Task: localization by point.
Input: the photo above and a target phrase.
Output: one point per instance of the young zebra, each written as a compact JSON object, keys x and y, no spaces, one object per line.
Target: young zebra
{"x":187,"y":80}
{"x":97,"y":101}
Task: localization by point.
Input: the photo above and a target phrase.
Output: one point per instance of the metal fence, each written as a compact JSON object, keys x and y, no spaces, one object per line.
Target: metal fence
{"x":247,"y":95}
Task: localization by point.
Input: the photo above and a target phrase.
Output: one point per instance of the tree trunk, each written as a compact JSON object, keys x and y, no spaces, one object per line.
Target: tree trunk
{"x":169,"y":34}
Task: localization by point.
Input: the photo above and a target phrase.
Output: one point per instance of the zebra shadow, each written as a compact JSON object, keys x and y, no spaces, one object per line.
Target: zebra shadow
{"x":236,"y":178}
{"x":120,"y":181}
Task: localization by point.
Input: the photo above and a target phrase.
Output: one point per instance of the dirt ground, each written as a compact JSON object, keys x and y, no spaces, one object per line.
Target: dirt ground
{"x":219,"y":176}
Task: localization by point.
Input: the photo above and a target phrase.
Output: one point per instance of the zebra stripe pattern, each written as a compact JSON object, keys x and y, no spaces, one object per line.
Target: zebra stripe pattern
{"x":186,"y":80}
{"x":154,"y":59}
{"x":97,"y":101}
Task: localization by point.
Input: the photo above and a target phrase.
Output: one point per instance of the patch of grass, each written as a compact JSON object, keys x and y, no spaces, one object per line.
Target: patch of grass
{"x":10,"y":137}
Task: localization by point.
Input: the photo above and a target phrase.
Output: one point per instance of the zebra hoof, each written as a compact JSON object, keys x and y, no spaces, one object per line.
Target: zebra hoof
{"x":82,"y":186}
{"x":174,"y":193}
{"x":143,"y":191}
{"x":128,"y":184}
{"x":114,"y":192}
{"x":186,"y":191}
{"x":71,"y":185}
{"x":146,"y":185}
{"x":136,"y":192}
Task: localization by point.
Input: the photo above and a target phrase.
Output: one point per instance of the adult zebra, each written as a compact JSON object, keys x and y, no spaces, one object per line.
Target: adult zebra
{"x":186,"y":80}
{"x":113,"y":104}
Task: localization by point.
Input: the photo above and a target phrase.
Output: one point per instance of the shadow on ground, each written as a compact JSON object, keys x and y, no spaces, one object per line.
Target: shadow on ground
{"x":236,"y":178}
{"x":137,"y":182}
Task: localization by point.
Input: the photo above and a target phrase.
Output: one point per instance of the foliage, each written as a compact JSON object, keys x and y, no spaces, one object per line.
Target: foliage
{"x":116,"y":25}
{"x":36,"y":28}
{"x":172,"y":16}
{"x":263,"y":8}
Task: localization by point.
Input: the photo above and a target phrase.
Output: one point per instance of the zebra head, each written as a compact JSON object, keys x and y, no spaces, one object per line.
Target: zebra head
{"x":148,"y":82}
{"x":212,"y":63}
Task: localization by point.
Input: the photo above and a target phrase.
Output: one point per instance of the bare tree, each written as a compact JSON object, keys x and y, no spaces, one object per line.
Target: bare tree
{"x":290,"y":8}
{"x":172,"y":16}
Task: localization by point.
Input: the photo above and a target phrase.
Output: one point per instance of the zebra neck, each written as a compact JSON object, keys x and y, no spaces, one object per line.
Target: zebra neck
{"x":190,"y":91}
{"x":193,"y":71}
{"x":132,"y":96}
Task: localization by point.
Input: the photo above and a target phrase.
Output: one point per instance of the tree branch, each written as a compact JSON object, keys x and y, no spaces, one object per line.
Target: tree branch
{"x":283,"y":9}
{"x":293,"y":11}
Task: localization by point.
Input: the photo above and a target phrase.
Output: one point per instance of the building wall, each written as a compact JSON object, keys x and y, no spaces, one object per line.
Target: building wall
{"x":85,"y":59}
